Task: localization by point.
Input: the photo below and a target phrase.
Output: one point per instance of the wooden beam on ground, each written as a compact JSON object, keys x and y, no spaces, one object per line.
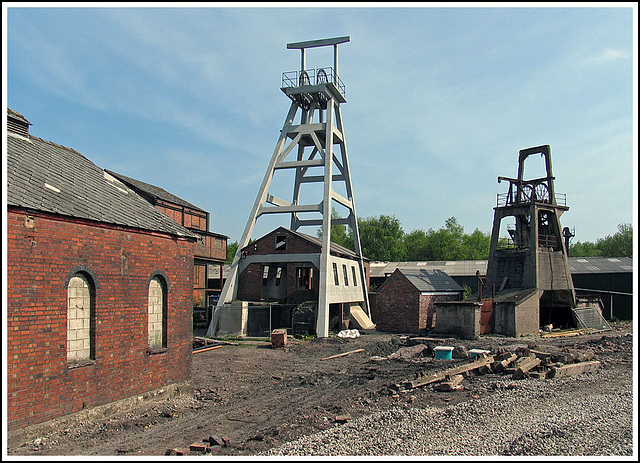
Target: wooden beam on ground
{"x":497,"y":367}
{"x":343,"y":354}
{"x":215,"y":341}
{"x":206,"y":348}
{"x":574,"y":369}
{"x":528,"y":364}
{"x":451,"y":383}
{"x":569,"y":333}
{"x":423,"y":380}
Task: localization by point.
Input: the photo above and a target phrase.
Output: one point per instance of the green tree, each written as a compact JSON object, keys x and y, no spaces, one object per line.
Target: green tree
{"x":340,"y":234}
{"x":583,"y":249}
{"x":618,"y":245}
{"x":476,"y":245}
{"x":231,"y":251}
{"x":382,"y":238}
{"x":417,"y":246}
{"x":448,"y":243}
{"x":450,"y":239}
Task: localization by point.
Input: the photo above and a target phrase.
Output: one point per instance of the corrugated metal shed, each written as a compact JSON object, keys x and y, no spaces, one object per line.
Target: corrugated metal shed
{"x":577,"y":265}
{"x":600,"y":265}
{"x":451,"y":268}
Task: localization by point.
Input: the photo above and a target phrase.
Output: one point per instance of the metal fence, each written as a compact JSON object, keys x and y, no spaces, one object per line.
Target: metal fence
{"x":312,"y":77}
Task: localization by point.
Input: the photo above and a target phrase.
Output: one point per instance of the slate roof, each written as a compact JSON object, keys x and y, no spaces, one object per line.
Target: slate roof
{"x":334,"y":248}
{"x":153,"y":191}
{"x":45,"y":176}
{"x":430,"y":280}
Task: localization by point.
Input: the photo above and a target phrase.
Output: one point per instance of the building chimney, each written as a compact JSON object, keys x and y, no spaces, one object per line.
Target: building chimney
{"x":17,"y":124}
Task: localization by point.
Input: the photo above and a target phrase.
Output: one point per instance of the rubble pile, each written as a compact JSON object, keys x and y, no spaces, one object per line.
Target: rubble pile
{"x":523,"y":363}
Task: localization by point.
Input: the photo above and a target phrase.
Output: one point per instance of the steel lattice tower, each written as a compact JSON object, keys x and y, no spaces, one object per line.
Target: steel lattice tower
{"x":315,"y":143}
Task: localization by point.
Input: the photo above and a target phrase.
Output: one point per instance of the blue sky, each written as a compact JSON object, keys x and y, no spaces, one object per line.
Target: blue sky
{"x":439,"y":101}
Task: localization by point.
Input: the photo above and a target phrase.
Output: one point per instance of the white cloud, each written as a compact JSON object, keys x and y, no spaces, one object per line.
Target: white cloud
{"x":608,"y":56}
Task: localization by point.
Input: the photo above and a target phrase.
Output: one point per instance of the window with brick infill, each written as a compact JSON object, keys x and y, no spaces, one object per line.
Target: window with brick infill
{"x":79,"y":319}
{"x":156,"y":311}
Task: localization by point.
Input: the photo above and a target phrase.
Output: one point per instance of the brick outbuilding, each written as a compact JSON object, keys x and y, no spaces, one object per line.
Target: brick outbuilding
{"x":281,"y":269}
{"x":99,"y":285}
{"x":210,"y":251}
{"x":405,"y":302}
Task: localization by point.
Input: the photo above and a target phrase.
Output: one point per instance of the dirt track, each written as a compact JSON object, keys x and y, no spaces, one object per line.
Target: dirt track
{"x":253,"y":397}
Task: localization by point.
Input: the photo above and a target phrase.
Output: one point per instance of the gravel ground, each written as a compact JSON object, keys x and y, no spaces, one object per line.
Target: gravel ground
{"x":528,"y":417}
{"x":296,"y":402}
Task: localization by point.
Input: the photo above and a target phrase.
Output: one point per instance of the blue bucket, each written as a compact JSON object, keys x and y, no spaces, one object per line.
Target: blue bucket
{"x":443,"y":352}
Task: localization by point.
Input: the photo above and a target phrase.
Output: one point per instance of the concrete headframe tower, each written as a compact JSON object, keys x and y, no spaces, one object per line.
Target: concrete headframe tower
{"x":535,"y":255}
{"x":312,"y":148}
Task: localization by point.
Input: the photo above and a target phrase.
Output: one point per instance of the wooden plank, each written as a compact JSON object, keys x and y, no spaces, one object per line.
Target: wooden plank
{"x":361,"y":318}
{"x":343,"y":354}
{"x":206,"y":348}
{"x":581,"y":355}
{"x":451,"y":383}
{"x":574,"y":369}
{"x":539,"y":374}
{"x":524,"y":359}
{"x":424,"y":380}
{"x":541,"y":355}
{"x":216,"y":341}
{"x":497,"y":367}
{"x":568,"y":333}
{"x":529,"y":364}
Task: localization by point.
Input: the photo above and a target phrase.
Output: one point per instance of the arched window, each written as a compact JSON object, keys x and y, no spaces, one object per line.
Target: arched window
{"x":157,"y":314}
{"x":80,"y":318}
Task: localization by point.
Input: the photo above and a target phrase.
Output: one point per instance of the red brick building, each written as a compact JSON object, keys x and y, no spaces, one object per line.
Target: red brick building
{"x":283,"y":267}
{"x":210,"y":251}
{"x":405,"y":302}
{"x":99,"y":288}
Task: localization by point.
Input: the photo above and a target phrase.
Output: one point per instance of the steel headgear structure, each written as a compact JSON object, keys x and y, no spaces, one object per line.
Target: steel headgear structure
{"x":317,"y":144}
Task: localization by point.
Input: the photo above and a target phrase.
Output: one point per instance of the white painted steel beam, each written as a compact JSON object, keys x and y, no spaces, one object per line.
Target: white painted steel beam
{"x":326,"y":140}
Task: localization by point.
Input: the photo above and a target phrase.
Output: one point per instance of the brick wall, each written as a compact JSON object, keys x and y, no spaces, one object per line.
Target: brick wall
{"x":41,"y":255}
{"x":400,"y":306}
{"x":250,"y":283}
{"x":250,"y":279}
{"x":397,"y":305}
{"x":294,"y":244}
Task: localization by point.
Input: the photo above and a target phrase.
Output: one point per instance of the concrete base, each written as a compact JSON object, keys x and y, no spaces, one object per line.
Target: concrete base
{"x":232,"y":319}
{"x":459,"y":318}
{"x":517,"y":314}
